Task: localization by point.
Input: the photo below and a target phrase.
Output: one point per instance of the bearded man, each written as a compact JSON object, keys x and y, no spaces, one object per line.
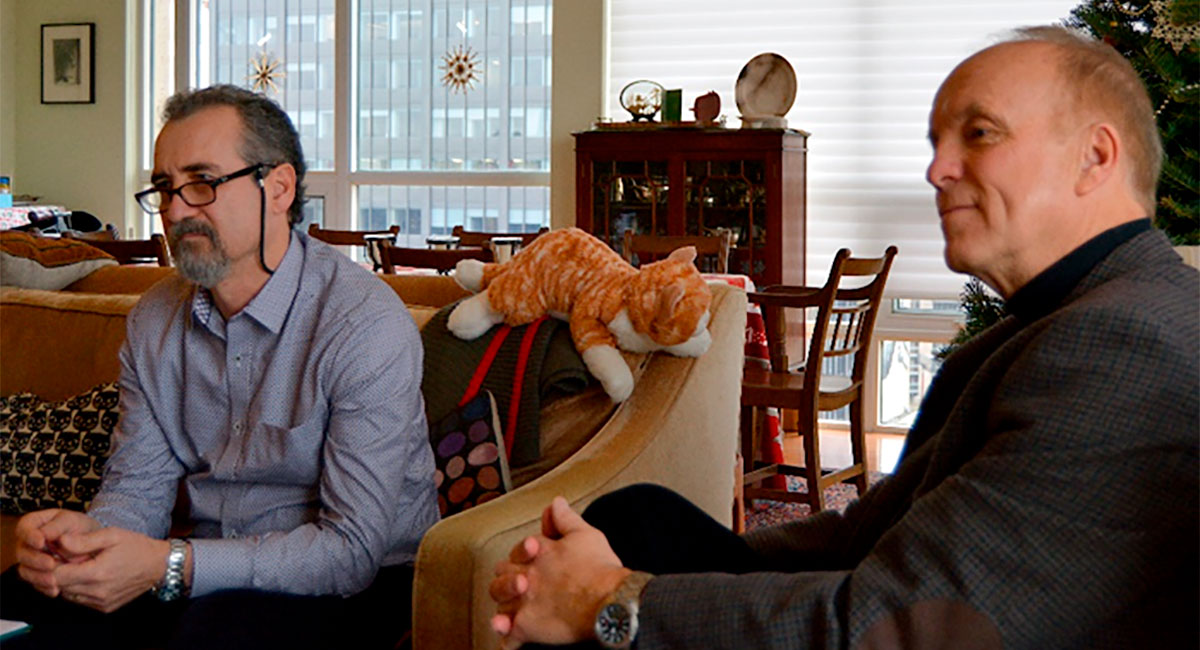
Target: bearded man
{"x":278,"y":383}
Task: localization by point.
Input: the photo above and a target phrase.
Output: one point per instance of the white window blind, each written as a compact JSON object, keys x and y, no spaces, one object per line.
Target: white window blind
{"x":867,"y":71}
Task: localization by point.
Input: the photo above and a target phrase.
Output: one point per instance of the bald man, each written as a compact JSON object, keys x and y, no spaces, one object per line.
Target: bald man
{"x":1047,"y":494}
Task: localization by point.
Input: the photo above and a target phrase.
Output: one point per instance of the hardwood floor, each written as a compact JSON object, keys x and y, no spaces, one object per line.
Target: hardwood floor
{"x":882,"y":449}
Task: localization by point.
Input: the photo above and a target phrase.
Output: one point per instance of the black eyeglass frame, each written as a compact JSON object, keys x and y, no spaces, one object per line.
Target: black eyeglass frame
{"x":212,"y":183}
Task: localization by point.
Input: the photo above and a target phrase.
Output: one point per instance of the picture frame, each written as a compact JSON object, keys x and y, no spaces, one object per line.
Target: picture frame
{"x":68,"y":63}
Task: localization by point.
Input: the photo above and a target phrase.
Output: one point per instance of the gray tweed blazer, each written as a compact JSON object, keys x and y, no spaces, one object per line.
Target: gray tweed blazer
{"x":1047,"y":497}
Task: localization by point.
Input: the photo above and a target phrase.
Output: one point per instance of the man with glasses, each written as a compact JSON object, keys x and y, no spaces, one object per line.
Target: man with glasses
{"x":280,"y":383}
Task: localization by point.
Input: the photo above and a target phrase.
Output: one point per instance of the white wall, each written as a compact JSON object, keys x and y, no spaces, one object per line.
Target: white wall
{"x":76,"y":155}
{"x":8,"y":67}
{"x":578,"y":94}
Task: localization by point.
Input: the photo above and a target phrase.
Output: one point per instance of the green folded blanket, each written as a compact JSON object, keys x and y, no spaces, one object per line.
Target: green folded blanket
{"x":554,"y":367}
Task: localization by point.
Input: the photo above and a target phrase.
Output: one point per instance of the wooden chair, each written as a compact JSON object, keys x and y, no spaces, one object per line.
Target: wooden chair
{"x":423,"y":258}
{"x":649,"y":247}
{"x":483,"y":239}
{"x":349,"y":237}
{"x":843,"y":327}
{"x":129,"y":251}
{"x":367,"y":239}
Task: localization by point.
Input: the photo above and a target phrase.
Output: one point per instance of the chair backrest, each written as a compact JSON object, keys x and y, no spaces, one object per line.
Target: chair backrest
{"x":109,"y":233}
{"x":348,"y":237}
{"x":650,"y":247}
{"x":442,"y":260}
{"x":131,"y":251}
{"x":482,"y":239}
{"x":845,"y":316}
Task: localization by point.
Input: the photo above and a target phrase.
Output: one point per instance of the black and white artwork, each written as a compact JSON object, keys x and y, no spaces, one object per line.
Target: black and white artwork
{"x":67,"y":63}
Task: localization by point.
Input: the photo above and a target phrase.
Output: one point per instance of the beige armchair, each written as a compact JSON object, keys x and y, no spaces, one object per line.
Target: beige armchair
{"x":678,"y":429}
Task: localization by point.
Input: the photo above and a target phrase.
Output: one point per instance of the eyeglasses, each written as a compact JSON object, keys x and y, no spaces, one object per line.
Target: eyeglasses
{"x":195,"y":193}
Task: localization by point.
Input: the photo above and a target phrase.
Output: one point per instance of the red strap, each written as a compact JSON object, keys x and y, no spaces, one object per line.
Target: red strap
{"x":482,"y":369}
{"x":514,"y":405}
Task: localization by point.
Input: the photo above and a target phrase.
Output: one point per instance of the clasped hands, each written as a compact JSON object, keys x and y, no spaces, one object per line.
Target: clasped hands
{"x":550,"y":588}
{"x":69,"y":554}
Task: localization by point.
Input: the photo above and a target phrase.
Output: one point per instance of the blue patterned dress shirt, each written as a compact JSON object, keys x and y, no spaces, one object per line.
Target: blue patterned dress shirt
{"x":297,"y":427}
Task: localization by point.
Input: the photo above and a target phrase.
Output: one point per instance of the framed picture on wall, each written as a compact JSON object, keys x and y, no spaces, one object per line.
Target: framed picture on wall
{"x":68,"y":63}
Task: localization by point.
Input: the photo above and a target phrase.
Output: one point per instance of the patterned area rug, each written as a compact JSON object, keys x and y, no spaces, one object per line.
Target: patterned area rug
{"x":769,"y":513}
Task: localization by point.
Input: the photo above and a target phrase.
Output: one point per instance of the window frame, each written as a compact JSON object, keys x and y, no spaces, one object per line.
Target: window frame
{"x":337,"y":187}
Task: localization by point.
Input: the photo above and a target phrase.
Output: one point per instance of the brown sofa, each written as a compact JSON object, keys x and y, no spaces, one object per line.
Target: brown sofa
{"x":679,"y":429}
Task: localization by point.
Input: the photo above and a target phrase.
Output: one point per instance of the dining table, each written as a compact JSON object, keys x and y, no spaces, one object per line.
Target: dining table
{"x":21,"y":215}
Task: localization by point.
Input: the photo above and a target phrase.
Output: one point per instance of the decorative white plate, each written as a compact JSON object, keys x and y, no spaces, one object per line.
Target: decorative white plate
{"x":766,"y":88}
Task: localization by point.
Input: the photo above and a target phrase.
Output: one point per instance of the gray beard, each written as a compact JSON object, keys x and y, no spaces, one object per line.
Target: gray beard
{"x":206,"y":269}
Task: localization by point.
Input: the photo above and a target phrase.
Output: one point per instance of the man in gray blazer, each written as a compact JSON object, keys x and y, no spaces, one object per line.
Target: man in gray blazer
{"x":1047,"y":496}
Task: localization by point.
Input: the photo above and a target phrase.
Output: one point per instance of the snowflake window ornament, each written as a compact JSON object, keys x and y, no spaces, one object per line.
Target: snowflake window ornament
{"x":461,"y":69}
{"x":265,"y":69}
{"x":1176,"y":35}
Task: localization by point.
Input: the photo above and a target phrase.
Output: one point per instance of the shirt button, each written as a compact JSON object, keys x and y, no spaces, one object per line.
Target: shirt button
{"x":237,"y":426}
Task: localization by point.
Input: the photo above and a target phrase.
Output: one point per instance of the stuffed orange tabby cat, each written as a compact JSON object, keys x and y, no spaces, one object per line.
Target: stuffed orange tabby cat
{"x":572,"y":275}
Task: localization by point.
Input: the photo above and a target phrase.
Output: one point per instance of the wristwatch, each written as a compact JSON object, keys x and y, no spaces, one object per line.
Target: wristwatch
{"x":172,"y":586}
{"x":617,"y":619}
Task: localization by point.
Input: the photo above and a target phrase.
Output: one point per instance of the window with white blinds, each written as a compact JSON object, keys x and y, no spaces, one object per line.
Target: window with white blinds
{"x":867,"y":71}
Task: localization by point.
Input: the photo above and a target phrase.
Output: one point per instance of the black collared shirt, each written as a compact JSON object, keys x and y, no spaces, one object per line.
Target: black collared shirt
{"x":1044,"y":293}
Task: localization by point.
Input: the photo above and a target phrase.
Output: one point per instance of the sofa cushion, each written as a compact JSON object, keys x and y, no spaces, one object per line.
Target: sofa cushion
{"x":36,"y":262}
{"x":468,"y":453}
{"x":57,"y":344}
{"x":131,"y":278}
{"x":52,"y":453}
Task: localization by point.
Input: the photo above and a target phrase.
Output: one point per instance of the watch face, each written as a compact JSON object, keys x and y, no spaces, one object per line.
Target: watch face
{"x":612,"y":625}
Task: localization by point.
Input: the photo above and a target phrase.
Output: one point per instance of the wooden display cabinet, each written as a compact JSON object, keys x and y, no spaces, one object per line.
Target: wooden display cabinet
{"x":687,"y":181}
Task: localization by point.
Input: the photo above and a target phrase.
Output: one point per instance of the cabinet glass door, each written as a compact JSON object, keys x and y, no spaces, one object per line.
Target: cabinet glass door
{"x":629,"y":195}
{"x":730,"y":194}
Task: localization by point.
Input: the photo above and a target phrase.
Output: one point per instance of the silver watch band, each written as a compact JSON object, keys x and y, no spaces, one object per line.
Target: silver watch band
{"x":172,"y":586}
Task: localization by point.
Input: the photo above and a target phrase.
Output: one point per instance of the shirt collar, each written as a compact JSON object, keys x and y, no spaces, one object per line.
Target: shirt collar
{"x":1046,"y":291}
{"x":270,"y":306}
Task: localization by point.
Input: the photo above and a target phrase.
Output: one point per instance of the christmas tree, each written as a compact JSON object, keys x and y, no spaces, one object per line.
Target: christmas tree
{"x":982,"y":308}
{"x":1161,"y":39}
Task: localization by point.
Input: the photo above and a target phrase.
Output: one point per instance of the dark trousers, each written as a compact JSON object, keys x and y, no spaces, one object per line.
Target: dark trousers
{"x":228,"y":620}
{"x":655,"y":530}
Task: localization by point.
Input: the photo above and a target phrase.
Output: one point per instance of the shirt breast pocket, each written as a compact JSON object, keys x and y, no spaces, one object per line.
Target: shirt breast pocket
{"x":283,"y":455}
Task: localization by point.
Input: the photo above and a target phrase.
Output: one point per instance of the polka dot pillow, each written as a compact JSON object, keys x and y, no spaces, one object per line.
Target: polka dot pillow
{"x":468,"y":452}
{"x":52,"y":454}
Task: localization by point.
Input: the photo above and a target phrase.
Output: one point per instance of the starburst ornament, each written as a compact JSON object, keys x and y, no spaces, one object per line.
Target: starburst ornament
{"x":265,"y":70}
{"x":461,"y":68}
